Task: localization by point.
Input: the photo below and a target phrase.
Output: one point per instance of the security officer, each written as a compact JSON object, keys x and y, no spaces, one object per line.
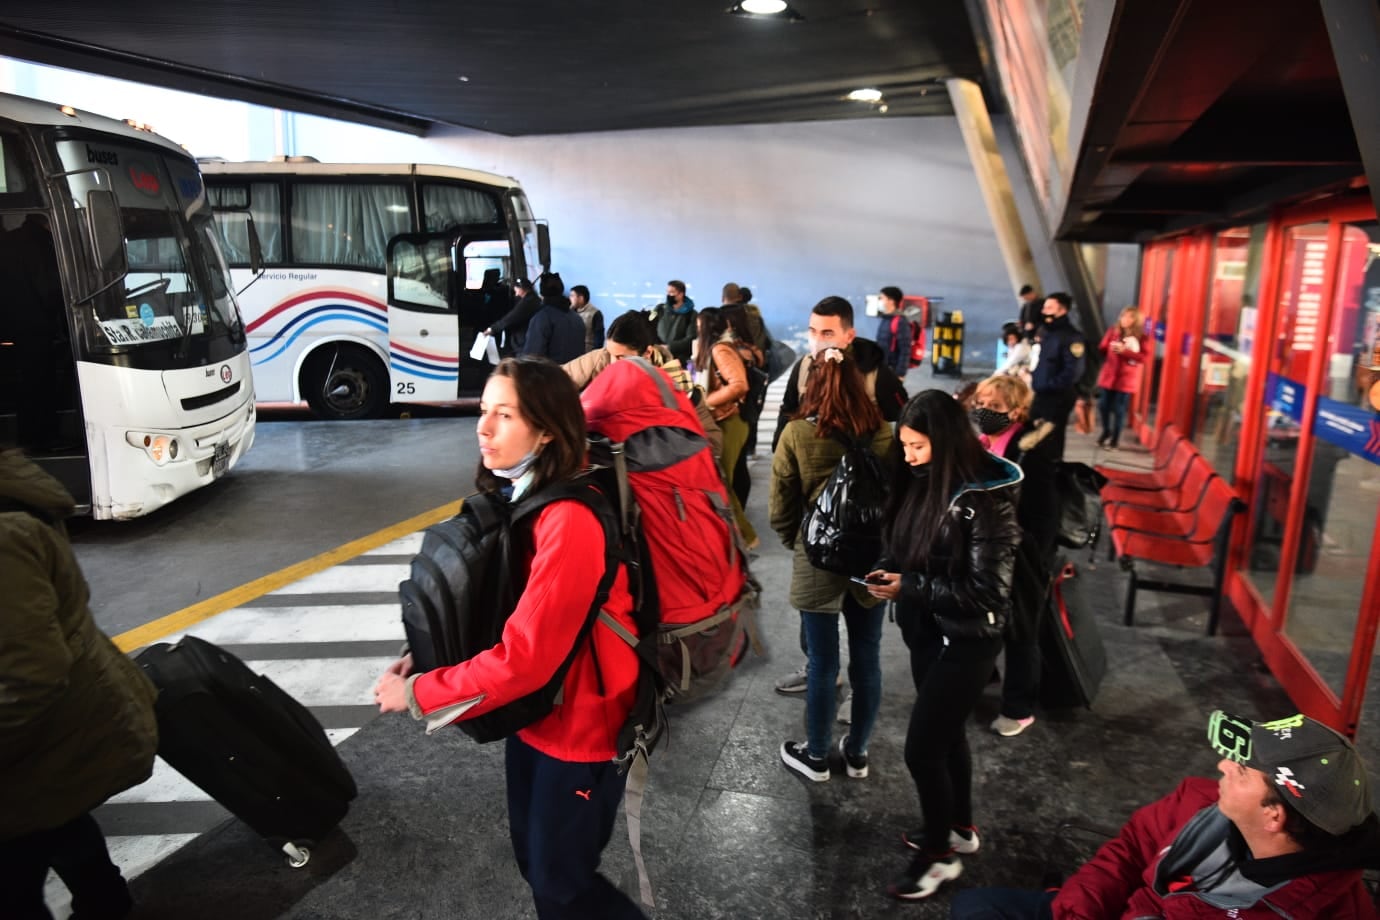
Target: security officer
{"x":1057,"y":367}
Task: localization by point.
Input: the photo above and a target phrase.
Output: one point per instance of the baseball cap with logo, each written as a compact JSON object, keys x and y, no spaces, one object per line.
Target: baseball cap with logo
{"x":1316,"y":770}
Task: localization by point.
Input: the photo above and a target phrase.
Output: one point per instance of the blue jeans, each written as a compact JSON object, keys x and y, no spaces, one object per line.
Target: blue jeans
{"x":1001,"y":904}
{"x":1111,"y":405}
{"x":822,"y":671}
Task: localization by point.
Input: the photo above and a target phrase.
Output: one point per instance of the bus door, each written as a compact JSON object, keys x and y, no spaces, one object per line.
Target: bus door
{"x":483,"y":273}
{"x":424,"y":349}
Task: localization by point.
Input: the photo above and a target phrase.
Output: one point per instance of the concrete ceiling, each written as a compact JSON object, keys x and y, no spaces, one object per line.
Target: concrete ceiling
{"x":518,"y":67}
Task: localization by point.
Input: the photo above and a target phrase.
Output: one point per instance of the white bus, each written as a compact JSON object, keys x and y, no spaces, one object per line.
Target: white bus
{"x":124,"y":367}
{"x":376,"y":276}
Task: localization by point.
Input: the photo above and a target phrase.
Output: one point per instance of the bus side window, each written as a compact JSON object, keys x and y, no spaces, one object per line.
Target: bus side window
{"x":421,"y":273}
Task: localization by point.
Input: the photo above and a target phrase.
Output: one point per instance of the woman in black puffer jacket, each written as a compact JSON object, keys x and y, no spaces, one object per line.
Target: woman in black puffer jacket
{"x":950,"y":544}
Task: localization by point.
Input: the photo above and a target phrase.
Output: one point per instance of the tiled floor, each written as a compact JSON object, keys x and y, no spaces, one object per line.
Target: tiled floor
{"x":728,"y":831}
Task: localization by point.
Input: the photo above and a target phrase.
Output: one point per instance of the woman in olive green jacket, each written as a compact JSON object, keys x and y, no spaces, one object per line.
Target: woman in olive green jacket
{"x":76,"y":715}
{"x":835,"y":405}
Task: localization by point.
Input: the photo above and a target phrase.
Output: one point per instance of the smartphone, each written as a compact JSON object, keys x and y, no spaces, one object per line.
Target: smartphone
{"x":865,"y":581}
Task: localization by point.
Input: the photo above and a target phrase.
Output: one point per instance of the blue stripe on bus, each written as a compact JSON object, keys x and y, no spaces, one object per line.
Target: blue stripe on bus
{"x":416,"y":373}
{"x":399,"y":358}
{"x":341,"y":311}
{"x":324,"y":317}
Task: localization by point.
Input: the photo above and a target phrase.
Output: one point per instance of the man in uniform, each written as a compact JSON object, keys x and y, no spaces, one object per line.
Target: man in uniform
{"x":1056,"y":368}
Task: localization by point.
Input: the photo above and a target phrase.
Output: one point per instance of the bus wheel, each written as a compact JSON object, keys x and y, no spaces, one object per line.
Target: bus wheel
{"x":345,"y":382}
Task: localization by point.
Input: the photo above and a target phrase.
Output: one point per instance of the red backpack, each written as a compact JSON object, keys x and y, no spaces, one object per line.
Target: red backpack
{"x":689,"y":571}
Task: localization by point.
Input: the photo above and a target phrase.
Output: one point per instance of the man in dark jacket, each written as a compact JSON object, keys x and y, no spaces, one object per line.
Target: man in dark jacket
{"x":831,"y":325}
{"x":1285,"y":832}
{"x":674,"y":321}
{"x":516,"y":320}
{"x":894,"y":332}
{"x":1028,"y":311}
{"x":1056,"y":368}
{"x":556,"y":331}
{"x":76,"y":715}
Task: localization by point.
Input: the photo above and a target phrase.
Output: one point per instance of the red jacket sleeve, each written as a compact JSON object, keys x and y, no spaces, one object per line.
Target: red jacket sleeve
{"x":1104,"y":885}
{"x":561,"y":585}
{"x":1108,"y":337}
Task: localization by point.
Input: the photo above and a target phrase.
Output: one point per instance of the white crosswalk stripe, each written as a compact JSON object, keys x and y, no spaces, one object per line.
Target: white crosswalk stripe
{"x":291,"y":620}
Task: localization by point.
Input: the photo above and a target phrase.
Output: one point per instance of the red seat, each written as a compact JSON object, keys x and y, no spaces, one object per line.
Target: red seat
{"x":1169,"y":453}
{"x":1127,"y":506}
{"x":1188,"y":539}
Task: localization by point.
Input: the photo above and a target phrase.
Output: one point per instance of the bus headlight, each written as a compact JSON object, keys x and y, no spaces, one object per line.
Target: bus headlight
{"x":160,"y":447}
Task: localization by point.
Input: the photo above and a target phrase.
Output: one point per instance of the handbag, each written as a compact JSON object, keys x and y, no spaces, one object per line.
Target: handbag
{"x":1079,"y":488}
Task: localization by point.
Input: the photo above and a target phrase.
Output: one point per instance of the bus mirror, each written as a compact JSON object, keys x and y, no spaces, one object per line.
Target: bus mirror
{"x":256,"y":249}
{"x":544,"y":246}
{"x":107,"y":234}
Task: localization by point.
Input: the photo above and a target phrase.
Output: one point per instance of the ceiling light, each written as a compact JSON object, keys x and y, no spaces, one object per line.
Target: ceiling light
{"x":866,"y":95}
{"x":766,"y":9}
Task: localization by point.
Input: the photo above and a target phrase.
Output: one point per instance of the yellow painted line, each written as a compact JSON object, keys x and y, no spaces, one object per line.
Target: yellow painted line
{"x":204,"y":610}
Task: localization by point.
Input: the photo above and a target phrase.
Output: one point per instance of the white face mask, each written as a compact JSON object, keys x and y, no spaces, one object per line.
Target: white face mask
{"x":815,"y":346}
{"x":515,"y":472}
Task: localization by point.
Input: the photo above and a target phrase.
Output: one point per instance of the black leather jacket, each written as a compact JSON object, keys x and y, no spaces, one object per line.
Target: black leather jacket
{"x":966,"y":585}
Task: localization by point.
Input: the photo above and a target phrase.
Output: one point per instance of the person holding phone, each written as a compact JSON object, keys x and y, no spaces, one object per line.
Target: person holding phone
{"x":835,"y":411}
{"x":949,"y":542}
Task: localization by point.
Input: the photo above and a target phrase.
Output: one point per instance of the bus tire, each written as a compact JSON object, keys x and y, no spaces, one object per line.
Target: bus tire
{"x":345,"y":382}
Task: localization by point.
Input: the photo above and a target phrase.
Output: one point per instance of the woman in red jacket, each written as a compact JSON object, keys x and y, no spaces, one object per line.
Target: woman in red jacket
{"x":563,"y":786}
{"x":1123,"y":351}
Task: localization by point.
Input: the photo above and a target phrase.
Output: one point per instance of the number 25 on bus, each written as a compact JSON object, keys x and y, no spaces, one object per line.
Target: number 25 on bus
{"x":377,"y":276}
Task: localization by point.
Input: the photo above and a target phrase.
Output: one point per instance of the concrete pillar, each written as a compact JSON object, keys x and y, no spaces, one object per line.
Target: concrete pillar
{"x":981,"y":141}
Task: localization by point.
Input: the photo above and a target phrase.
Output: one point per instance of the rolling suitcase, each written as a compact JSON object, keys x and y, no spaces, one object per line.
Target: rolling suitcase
{"x":247,"y":744}
{"x":1074,"y":659}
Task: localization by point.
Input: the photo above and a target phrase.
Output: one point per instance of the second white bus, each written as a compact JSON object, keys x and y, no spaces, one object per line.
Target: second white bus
{"x":376,"y":278}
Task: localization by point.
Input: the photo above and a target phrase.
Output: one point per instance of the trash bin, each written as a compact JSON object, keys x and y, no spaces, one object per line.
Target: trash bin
{"x":947,"y":350}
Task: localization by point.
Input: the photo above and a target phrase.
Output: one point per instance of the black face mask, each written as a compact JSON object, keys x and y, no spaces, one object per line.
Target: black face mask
{"x":990,"y":421}
{"x":921,"y":472}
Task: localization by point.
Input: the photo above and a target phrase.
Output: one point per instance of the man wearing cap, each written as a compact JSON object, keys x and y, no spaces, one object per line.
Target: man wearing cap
{"x":1284,"y":833}
{"x":516,"y":320}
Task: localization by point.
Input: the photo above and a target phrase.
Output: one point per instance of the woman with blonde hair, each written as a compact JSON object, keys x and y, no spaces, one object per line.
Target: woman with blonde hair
{"x":1001,"y":408}
{"x":1123,"y":348}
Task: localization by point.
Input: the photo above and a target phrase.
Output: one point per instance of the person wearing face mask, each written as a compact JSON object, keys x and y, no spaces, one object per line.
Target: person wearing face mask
{"x":1001,"y":408}
{"x":1056,"y":366}
{"x":532,"y":435}
{"x":949,"y":543}
{"x":675,"y":321}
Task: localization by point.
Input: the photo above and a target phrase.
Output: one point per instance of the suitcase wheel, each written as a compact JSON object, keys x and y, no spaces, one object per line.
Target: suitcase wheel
{"x":297,"y":857}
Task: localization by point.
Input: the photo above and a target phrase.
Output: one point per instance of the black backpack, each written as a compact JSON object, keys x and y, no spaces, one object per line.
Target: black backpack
{"x":842,"y":529}
{"x":465,"y":582}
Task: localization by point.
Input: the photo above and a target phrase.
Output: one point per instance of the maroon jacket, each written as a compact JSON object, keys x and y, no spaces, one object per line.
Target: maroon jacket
{"x":1121,"y":370}
{"x":1117,"y":883}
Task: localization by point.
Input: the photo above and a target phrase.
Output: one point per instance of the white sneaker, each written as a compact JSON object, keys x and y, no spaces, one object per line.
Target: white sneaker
{"x":1009,"y":728}
{"x":923,"y":879}
{"x":793,"y":682}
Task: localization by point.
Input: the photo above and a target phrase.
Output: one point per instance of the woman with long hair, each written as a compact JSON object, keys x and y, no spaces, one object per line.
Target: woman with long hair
{"x":532,"y":436}
{"x":720,"y":370}
{"x":949,"y":544}
{"x":834,"y":412}
{"x":1123,"y":350}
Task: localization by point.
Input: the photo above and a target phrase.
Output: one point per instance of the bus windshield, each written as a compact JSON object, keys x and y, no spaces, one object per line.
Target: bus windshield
{"x":178,"y":286}
{"x":527,"y":226}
